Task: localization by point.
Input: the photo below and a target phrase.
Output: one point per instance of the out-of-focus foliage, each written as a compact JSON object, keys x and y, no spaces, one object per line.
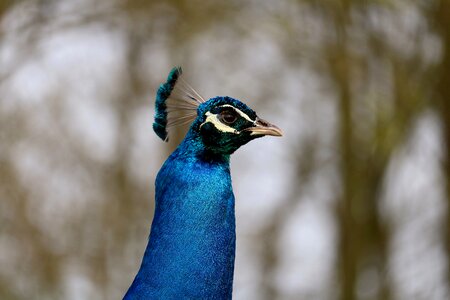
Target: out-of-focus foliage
{"x":352,"y":203}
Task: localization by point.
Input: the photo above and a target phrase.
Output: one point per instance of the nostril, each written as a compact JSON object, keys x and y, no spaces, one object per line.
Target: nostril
{"x":262,"y":122}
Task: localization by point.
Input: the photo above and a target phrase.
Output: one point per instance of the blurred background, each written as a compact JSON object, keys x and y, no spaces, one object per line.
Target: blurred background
{"x":352,"y":203}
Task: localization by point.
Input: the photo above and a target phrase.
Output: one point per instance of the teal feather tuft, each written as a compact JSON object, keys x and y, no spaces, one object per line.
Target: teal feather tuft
{"x":164,"y":91}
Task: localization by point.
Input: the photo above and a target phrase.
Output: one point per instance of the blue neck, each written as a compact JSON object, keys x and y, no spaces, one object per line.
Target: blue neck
{"x":191,"y":249}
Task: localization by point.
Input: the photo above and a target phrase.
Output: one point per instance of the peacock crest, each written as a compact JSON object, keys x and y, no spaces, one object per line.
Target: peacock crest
{"x":176,"y":104}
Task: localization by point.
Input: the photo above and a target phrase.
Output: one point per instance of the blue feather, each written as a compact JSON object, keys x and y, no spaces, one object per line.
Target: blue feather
{"x":164,"y":91}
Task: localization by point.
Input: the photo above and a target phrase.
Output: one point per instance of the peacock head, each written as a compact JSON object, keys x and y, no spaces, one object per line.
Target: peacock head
{"x":222,"y":124}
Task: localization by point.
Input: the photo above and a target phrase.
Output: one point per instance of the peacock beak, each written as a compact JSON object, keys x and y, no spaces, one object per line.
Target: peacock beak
{"x":262,"y":127}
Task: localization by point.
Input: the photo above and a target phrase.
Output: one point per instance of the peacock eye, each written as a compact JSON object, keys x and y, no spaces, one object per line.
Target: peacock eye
{"x":228,"y":117}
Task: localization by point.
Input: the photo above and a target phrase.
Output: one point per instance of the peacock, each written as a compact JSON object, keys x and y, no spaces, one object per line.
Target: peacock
{"x":191,"y":248}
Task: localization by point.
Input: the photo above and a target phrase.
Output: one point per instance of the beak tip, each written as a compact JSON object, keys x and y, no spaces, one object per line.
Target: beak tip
{"x":277,"y":132}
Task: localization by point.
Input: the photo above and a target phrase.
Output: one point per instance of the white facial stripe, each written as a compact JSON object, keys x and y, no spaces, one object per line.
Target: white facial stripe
{"x":244,"y":115}
{"x":219,"y":125}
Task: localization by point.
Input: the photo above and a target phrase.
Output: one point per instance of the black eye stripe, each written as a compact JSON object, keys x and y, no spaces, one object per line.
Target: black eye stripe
{"x":227,"y":109}
{"x":242,"y":116}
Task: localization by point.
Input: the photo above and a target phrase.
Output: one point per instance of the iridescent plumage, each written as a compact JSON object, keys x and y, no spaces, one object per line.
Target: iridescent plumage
{"x":191,"y":250}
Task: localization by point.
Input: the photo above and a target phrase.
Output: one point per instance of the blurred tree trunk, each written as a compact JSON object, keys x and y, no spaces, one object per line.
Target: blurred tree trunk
{"x":348,"y":227}
{"x":4,"y":6}
{"x":442,"y":23}
{"x":362,"y":235}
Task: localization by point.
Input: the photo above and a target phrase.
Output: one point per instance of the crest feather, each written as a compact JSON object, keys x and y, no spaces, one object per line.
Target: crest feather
{"x":176,"y":104}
